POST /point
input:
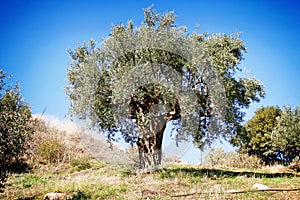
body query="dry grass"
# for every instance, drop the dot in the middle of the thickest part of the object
(176, 181)
(82, 177)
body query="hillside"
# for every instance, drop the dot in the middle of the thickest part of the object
(78, 175)
(92, 179)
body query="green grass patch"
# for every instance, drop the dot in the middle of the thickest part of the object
(80, 164)
(78, 195)
(95, 180)
(29, 180)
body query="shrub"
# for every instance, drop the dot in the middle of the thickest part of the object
(232, 159)
(238, 160)
(16, 129)
(50, 151)
(80, 164)
(215, 157)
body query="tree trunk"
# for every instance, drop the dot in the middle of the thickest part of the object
(150, 146)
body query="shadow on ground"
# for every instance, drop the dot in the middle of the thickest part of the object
(214, 173)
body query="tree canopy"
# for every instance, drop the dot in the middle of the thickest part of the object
(286, 135)
(255, 137)
(140, 78)
(272, 134)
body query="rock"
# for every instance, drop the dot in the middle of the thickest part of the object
(260, 186)
(232, 191)
(55, 196)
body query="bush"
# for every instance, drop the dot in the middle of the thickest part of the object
(232, 159)
(16, 128)
(238, 160)
(216, 157)
(80, 164)
(50, 151)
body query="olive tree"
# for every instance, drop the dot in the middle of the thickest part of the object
(141, 78)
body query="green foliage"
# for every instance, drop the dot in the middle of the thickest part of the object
(51, 151)
(271, 134)
(80, 164)
(15, 128)
(78, 195)
(255, 137)
(192, 81)
(286, 135)
(31, 180)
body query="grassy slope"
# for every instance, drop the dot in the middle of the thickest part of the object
(86, 178)
(95, 180)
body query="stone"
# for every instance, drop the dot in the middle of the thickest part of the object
(260, 186)
(55, 196)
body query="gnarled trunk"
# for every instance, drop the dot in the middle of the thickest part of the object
(150, 145)
(148, 108)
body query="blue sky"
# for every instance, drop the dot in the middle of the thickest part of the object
(35, 36)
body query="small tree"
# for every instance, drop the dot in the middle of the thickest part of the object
(286, 135)
(271, 134)
(15, 127)
(143, 77)
(255, 138)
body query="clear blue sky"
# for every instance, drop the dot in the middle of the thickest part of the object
(35, 36)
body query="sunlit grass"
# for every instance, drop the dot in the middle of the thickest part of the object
(105, 181)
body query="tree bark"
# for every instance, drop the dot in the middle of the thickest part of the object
(150, 146)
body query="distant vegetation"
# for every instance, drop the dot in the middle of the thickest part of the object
(272, 134)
